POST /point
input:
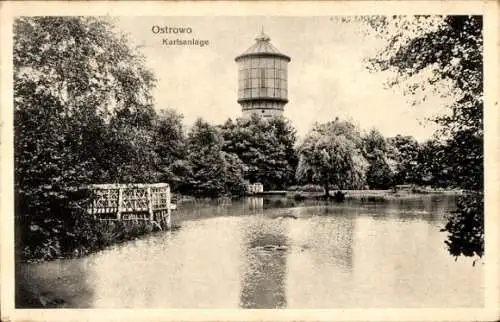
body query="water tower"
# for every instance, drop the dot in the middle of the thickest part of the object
(262, 79)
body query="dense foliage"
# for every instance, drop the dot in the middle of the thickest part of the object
(266, 147)
(82, 105)
(208, 170)
(431, 164)
(331, 155)
(375, 150)
(404, 150)
(450, 49)
(83, 113)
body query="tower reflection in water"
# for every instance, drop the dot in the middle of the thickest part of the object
(263, 275)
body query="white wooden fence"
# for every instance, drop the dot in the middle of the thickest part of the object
(131, 202)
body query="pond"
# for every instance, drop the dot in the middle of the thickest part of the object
(274, 253)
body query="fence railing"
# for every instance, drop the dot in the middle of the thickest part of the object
(131, 202)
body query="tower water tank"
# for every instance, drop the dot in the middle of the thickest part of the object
(262, 79)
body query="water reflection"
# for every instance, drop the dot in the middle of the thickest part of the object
(411, 267)
(254, 203)
(321, 262)
(251, 254)
(46, 285)
(264, 264)
(278, 202)
(429, 208)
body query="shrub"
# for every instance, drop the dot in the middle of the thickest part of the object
(311, 188)
(416, 189)
(373, 198)
(465, 226)
(339, 196)
(298, 197)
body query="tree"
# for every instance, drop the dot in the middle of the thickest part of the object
(134, 159)
(210, 172)
(449, 48)
(170, 138)
(404, 151)
(82, 103)
(331, 155)
(432, 164)
(266, 147)
(375, 149)
(170, 146)
(286, 136)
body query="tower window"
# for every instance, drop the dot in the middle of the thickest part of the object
(247, 83)
(262, 78)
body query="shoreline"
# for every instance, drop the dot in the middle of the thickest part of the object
(374, 195)
(371, 196)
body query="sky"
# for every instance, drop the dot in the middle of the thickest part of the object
(327, 75)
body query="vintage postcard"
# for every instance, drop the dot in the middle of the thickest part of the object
(250, 161)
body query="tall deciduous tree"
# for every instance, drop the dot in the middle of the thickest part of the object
(73, 76)
(266, 146)
(331, 155)
(375, 150)
(209, 171)
(79, 88)
(404, 150)
(170, 146)
(450, 49)
(432, 164)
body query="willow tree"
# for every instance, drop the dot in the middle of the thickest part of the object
(331, 155)
(445, 54)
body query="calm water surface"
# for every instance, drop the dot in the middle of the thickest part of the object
(250, 254)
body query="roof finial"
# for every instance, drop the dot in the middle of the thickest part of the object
(262, 36)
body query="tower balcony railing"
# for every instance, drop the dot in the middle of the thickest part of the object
(263, 97)
(281, 108)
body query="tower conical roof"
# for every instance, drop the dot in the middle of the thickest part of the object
(262, 47)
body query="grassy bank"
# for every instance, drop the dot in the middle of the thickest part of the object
(75, 234)
(373, 195)
(37, 244)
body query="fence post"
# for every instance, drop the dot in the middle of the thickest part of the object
(150, 203)
(120, 203)
(169, 211)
